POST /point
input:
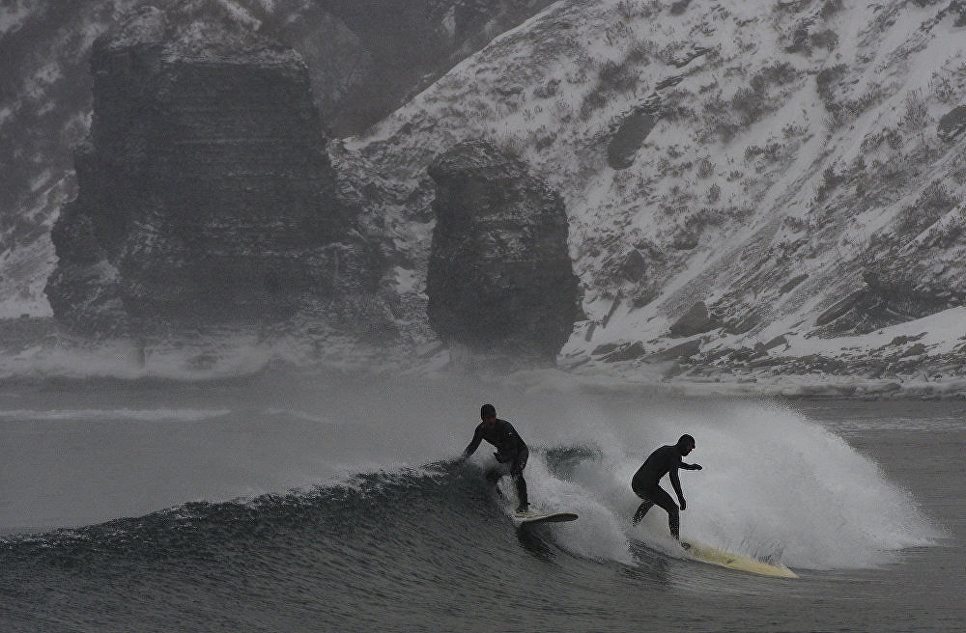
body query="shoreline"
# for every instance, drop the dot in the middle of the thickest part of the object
(34, 350)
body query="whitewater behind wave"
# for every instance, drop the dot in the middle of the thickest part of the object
(775, 485)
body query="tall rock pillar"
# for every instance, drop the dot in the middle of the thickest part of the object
(500, 279)
(206, 197)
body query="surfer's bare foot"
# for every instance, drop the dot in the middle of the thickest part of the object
(685, 545)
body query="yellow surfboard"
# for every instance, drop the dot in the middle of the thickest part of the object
(714, 556)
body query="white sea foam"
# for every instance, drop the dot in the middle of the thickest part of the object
(304, 416)
(228, 357)
(774, 486)
(139, 415)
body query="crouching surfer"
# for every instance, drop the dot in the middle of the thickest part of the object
(511, 451)
(646, 482)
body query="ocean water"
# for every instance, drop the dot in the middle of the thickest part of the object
(290, 502)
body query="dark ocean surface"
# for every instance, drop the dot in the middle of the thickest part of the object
(291, 503)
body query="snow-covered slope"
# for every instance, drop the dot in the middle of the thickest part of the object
(793, 155)
(753, 188)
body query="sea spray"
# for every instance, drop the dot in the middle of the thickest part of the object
(775, 485)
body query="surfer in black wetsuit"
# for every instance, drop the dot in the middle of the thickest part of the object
(511, 451)
(664, 461)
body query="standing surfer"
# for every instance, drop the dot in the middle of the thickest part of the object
(646, 482)
(511, 451)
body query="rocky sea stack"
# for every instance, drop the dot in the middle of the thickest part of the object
(500, 279)
(206, 197)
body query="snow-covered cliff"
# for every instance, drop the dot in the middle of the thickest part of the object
(753, 189)
(775, 174)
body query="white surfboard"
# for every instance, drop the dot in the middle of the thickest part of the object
(532, 518)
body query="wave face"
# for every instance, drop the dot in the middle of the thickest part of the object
(400, 536)
(319, 551)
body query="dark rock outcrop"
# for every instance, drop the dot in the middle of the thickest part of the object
(403, 46)
(500, 279)
(681, 350)
(697, 320)
(791, 284)
(625, 352)
(206, 197)
(952, 123)
(365, 59)
(743, 322)
(915, 270)
(630, 134)
(893, 294)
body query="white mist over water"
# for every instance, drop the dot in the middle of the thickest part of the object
(210, 359)
(774, 483)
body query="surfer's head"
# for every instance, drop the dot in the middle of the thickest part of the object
(685, 444)
(487, 412)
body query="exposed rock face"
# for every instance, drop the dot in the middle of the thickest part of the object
(500, 278)
(902, 289)
(952, 123)
(402, 45)
(205, 197)
(913, 269)
(696, 320)
(633, 130)
(364, 58)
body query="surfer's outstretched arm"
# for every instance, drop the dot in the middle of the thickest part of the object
(690, 466)
(474, 443)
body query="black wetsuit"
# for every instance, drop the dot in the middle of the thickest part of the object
(511, 451)
(646, 484)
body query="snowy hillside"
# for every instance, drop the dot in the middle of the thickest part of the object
(754, 190)
(757, 167)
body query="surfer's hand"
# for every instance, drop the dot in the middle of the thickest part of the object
(696, 467)
(684, 504)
